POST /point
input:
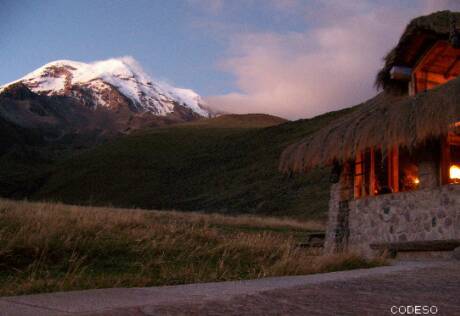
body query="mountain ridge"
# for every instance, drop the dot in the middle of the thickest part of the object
(100, 79)
(94, 101)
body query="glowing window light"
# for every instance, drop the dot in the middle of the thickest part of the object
(454, 173)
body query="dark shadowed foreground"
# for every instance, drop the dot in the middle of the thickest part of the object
(359, 292)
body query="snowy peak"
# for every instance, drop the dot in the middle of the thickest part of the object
(110, 83)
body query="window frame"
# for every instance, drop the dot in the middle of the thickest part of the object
(365, 177)
(446, 158)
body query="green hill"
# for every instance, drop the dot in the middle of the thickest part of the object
(237, 121)
(207, 166)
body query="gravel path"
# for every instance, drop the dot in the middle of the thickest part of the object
(358, 292)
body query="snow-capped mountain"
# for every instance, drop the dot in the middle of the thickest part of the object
(65, 101)
(109, 84)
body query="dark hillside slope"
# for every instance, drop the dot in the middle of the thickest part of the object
(230, 170)
(237, 121)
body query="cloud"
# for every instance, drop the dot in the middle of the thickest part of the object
(213, 7)
(436, 5)
(326, 67)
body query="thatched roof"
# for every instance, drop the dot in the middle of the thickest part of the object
(419, 36)
(384, 120)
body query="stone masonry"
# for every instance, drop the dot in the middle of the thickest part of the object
(426, 214)
(429, 213)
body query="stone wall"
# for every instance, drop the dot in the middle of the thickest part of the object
(338, 215)
(425, 214)
(329, 243)
(429, 213)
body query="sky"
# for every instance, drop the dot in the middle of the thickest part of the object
(291, 58)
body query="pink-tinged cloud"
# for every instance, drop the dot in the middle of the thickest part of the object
(326, 68)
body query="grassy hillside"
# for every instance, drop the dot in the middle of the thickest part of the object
(54, 247)
(237, 121)
(229, 169)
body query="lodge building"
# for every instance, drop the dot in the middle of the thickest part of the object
(396, 157)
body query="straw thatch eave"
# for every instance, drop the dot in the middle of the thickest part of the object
(420, 34)
(384, 120)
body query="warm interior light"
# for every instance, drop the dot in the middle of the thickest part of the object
(454, 173)
(410, 179)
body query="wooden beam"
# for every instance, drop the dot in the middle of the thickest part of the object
(422, 245)
(439, 50)
(437, 77)
(423, 78)
(425, 82)
(451, 66)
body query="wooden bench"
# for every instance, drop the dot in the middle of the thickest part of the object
(416, 246)
(315, 240)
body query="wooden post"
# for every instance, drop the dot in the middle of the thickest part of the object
(413, 84)
(358, 176)
(372, 173)
(393, 168)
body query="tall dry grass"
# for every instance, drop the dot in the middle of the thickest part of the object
(53, 247)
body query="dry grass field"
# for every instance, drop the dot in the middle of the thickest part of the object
(48, 247)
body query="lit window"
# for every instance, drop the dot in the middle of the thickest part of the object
(454, 173)
(408, 171)
(451, 158)
(378, 172)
